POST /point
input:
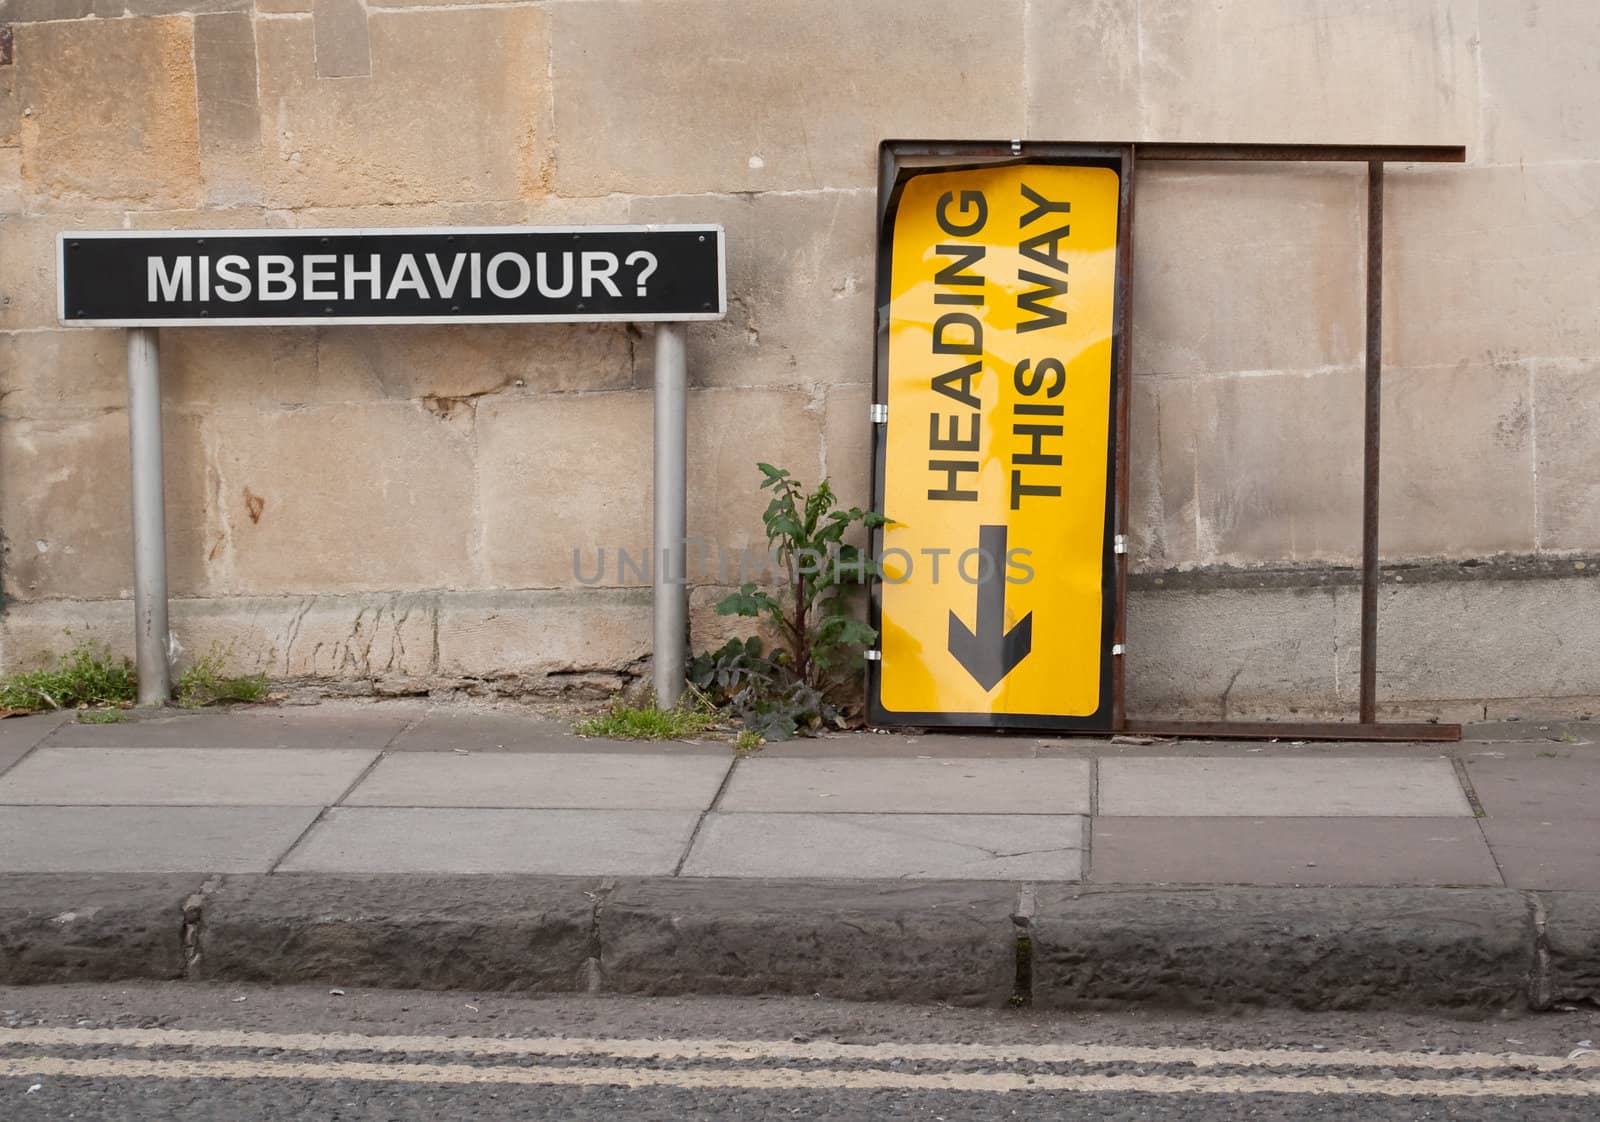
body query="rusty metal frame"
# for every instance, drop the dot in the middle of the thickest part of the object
(1367, 726)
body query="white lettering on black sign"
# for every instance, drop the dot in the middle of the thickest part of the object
(589, 273)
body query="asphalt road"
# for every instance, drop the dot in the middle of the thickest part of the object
(237, 1053)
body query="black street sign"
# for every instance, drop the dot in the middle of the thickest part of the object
(128, 278)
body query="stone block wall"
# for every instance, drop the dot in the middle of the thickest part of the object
(398, 508)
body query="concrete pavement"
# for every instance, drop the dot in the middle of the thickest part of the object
(417, 818)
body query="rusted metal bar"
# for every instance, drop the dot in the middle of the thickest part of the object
(1124, 397)
(1295, 730)
(1370, 430)
(1335, 153)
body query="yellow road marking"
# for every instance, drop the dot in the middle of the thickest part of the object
(788, 1079)
(782, 1050)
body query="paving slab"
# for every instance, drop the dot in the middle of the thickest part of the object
(915, 846)
(1540, 787)
(1291, 851)
(183, 776)
(1554, 853)
(18, 735)
(545, 842)
(600, 781)
(909, 786)
(277, 728)
(1261, 786)
(148, 839)
(1559, 731)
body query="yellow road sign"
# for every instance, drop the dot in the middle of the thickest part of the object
(996, 597)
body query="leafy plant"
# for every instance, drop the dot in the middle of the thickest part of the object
(646, 722)
(207, 683)
(758, 690)
(85, 675)
(803, 683)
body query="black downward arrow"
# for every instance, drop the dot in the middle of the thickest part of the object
(990, 653)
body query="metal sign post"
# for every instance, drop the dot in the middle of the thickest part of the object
(151, 640)
(143, 280)
(668, 570)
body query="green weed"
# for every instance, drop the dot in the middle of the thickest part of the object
(85, 675)
(646, 722)
(100, 716)
(207, 683)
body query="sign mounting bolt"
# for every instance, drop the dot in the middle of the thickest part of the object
(1118, 648)
(1119, 544)
(872, 656)
(879, 413)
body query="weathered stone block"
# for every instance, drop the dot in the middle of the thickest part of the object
(1457, 478)
(62, 373)
(340, 498)
(583, 485)
(545, 211)
(1247, 267)
(1538, 82)
(1161, 463)
(1567, 411)
(865, 942)
(1278, 465)
(599, 447)
(733, 96)
(1084, 72)
(170, 7)
(230, 116)
(1231, 653)
(449, 368)
(561, 632)
(31, 11)
(1491, 264)
(847, 444)
(206, 367)
(428, 3)
(343, 47)
(68, 532)
(1479, 639)
(10, 180)
(10, 110)
(112, 112)
(1402, 72)
(400, 135)
(800, 287)
(372, 636)
(232, 217)
(33, 633)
